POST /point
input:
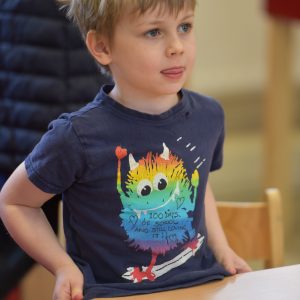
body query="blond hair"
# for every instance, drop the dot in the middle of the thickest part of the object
(102, 15)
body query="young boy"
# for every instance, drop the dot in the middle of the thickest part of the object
(132, 165)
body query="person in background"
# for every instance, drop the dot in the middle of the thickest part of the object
(45, 70)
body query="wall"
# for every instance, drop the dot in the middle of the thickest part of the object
(231, 40)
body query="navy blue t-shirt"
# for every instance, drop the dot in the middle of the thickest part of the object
(133, 187)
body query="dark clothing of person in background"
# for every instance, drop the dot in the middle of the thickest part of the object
(45, 70)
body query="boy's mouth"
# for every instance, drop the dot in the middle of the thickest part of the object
(174, 72)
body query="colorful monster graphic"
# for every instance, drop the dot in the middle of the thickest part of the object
(158, 207)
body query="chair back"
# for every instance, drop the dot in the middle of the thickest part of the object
(255, 229)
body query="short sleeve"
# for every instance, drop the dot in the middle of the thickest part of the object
(217, 159)
(57, 160)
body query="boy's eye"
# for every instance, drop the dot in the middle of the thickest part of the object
(153, 33)
(186, 27)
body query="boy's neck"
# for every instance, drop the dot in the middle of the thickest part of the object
(150, 104)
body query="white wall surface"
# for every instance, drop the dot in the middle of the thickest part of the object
(232, 46)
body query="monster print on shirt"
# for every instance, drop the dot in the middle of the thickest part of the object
(157, 212)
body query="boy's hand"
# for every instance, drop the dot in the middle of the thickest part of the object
(69, 284)
(231, 261)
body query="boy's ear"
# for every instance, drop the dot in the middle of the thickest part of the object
(98, 47)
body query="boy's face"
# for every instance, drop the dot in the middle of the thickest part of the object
(152, 54)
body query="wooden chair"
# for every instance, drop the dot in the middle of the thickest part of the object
(255, 229)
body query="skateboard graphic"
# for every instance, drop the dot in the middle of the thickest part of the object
(167, 266)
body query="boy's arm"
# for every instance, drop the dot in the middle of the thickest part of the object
(20, 210)
(217, 240)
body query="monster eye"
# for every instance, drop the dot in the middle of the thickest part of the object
(160, 181)
(144, 187)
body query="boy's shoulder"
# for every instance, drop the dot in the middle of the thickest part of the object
(203, 102)
(88, 114)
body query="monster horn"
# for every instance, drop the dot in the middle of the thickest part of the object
(166, 153)
(132, 163)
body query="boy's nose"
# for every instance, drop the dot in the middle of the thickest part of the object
(175, 47)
